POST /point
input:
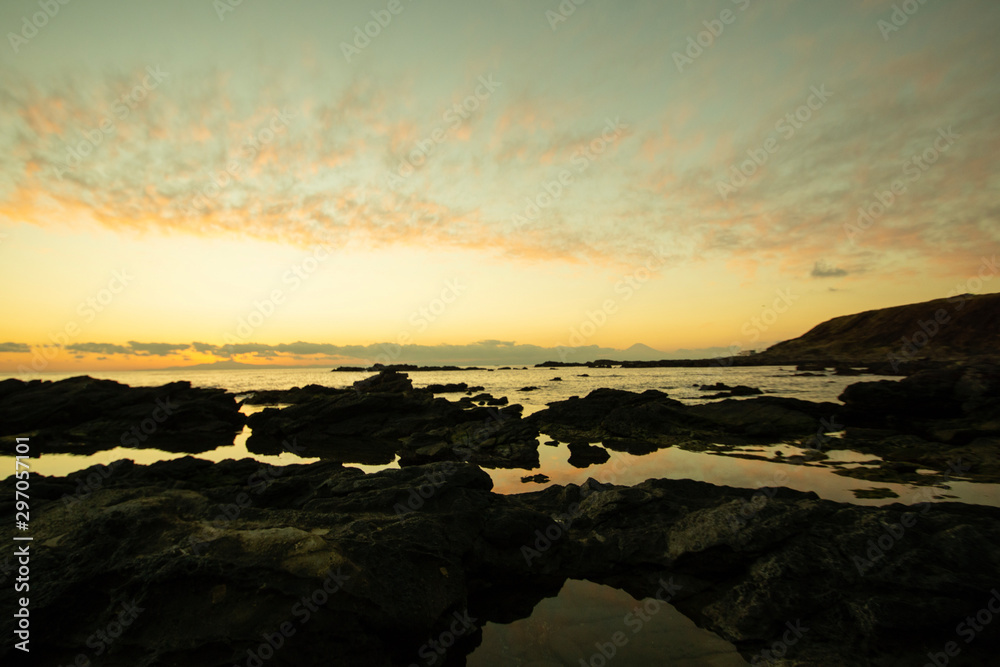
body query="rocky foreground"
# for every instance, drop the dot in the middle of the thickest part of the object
(238, 563)
(191, 563)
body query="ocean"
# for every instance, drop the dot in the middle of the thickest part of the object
(679, 383)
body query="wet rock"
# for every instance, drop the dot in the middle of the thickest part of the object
(530, 388)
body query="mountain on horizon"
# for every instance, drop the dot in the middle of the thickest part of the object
(641, 352)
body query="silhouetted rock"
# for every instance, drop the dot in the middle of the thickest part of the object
(293, 395)
(725, 391)
(82, 415)
(583, 455)
(450, 388)
(386, 381)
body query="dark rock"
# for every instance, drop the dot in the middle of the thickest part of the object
(372, 427)
(729, 392)
(293, 395)
(812, 368)
(386, 381)
(556, 379)
(451, 388)
(538, 479)
(82, 415)
(880, 492)
(583, 455)
(528, 389)
(403, 550)
(660, 421)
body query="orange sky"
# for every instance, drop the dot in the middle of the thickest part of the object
(482, 181)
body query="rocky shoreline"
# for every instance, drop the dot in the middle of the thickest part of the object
(345, 568)
(217, 563)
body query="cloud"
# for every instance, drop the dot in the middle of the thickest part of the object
(822, 269)
(99, 348)
(14, 347)
(486, 352)
(156, 349)
(309, 153)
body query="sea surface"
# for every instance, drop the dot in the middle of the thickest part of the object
(679, 383)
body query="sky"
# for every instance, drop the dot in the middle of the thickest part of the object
(312, 182)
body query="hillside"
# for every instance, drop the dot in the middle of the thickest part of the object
(959, 327)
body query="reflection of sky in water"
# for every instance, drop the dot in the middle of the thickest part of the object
(626, 469)
(676, 463)
(588, 619)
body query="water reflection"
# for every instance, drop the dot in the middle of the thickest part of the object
(591, 624)
(676, 463)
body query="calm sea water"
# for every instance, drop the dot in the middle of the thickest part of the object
(680, 383)
(677, 382)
